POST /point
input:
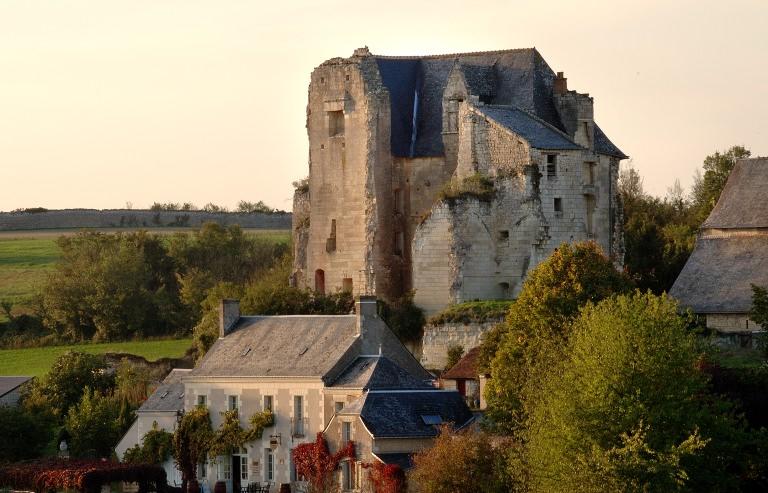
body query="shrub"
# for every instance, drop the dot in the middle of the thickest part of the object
(472, 312)
(454, 355)
(404, 318)
(24, 436)
(476, 186)
(155, 448)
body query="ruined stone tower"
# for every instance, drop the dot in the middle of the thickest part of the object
(450, 175)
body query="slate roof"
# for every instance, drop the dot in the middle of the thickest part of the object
(405, 461)
(603, 145)
(398, 413)
(169, 396)
(280, 346)
(719, 272)
(377, 373)
(744, 200)
(518, 77)
(538, 133)
(465, 368)
(8, 384)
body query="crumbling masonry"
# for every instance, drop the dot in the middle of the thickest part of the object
(449, 175)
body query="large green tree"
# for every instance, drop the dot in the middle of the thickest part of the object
(628, 410)
(24, 436)
(94, 424)
(191, 442)
(708, 187)
(537, 326)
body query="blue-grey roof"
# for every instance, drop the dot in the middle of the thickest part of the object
(169, 396)
(603, 145)
(404, 461)
(518, 77)
(400, 413)
(377, 373)
(538, 133)
(743, 202)
(7, 384)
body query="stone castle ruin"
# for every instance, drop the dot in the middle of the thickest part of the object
(449, 175)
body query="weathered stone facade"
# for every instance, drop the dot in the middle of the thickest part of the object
(439, 337)
(388, 133)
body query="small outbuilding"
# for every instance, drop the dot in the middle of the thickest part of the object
(10, 389)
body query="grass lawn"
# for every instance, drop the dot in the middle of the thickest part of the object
(37, 361)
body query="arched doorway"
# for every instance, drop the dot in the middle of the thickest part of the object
(320, 281)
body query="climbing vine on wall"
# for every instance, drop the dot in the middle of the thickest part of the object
(386, 478)
(316, 463)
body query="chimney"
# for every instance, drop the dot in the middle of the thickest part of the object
(561, 84)
(229, 314)
(366, 309)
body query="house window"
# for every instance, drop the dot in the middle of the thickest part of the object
(225, 470)
(558, 206)
(335, 123)
(298, 415)
(346, 476)
(269, 465)
(338, 406)
(346, 432)
(268, 403)
(202, 469)
(551, 166)
(244, 467)
(202, 400)
(232, 403)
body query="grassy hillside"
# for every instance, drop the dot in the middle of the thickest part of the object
(37, 361)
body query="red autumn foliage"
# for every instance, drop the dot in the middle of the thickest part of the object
(386, 478)
(82, 475)
(315, 462)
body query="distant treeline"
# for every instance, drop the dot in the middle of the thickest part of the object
(250, 215)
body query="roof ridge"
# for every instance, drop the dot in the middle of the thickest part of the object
(453, 55)
(529, 114)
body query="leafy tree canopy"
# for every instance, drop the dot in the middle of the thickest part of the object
(24, 435)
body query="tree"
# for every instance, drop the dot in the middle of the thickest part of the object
(69, 376)
(156, 446)
(759, 311)
(628, 410)
(94, 425)
(455, 353)
(191, 443)
(537, 326)
(707, 188)
(24, 435)
(458, 462)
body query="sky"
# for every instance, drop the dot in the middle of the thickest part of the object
(106, 103)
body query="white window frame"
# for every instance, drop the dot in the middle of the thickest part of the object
(271, 400)
(346, 429)
(269, 465)
(237, 402)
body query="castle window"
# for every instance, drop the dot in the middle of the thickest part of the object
(590, 204)
(551, 166)
(322, 80)
(399, 243)
(504, 290)
(335, 123)
(558, 206)
(589, 171)
(397, 198)
(347, 77)
(346, 284)
(503, 235)
(330, 242)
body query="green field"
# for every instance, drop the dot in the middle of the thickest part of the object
(26, 257)
(37, 361)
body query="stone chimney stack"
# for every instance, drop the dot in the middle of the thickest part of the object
(561, 84)
(366, 310)
(576, 112)
(229, 314)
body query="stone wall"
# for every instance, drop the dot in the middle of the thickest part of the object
(438, 338)
(300, 232)
(731, 323)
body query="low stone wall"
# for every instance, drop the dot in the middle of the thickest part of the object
(438, 338)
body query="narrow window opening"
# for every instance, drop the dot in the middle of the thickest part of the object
(551, 166)
(269, 465)
(558, 206)
(399, 243)
(397, 206)
(590, 169)
(503, 235)
(347, 77)
(298, 416)
(322, 80)
(504, 290)
(335, 123)
(590, 204)
(267, 403)
(330, 242)
(346, 432)
(233, 403)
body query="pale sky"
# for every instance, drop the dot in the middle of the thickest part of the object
(106, 102)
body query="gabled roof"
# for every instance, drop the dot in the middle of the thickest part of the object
(406, 413)
(603, 145)
(465, 368)
(280, 346)
(520, 78)
(538, 133)
(8, 384)
(169, 396)
(744, 200)
(377, 373)
(718, 275)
